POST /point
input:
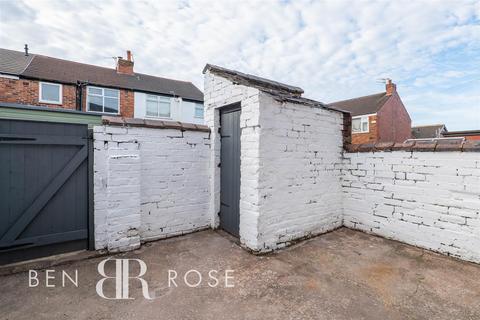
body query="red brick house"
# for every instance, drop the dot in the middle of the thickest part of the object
(38, 80)
(380, 117)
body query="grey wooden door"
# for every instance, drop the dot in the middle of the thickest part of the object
(44, 189)
(230, 170)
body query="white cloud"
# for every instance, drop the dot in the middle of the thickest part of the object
(333, 49)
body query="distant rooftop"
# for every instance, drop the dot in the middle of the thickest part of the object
(428, 131)
(362, 105)
(35, 66)
(14, 62)
(463, 133)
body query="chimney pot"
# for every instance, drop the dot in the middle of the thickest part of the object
(26, 49)
(129, 55)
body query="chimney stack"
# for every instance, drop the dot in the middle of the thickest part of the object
(390, 87)
(125, 66)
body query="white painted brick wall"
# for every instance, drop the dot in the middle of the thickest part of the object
(219, 92)
(149, 184)
(299, 186)
(154, 183)
(285, 193)
(428, 199)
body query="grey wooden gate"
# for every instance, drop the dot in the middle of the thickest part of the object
(44, 188)
(230, 169)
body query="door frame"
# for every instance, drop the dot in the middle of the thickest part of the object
(236, 106)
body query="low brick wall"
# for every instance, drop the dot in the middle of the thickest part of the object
(151, 181)
(416, 195)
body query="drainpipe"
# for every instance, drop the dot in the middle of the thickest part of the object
(79, 95)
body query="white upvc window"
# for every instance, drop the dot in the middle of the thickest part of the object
(199, 110)
(103, 100)
(360, 124)
(50, 93)
(158, 106)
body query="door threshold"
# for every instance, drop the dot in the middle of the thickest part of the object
(228, 236)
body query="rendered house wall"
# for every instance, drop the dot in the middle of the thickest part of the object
(180, 110)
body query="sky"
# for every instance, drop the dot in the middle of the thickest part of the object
(334, 50)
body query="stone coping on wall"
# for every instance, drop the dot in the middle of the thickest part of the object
(154, 124)
(431, 146)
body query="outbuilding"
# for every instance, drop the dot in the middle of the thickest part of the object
(276, 159)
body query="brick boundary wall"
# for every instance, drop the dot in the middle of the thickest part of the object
(151, 181)
(422, 146)
(420, 192)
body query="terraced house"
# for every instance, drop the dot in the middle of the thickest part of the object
(38, 80)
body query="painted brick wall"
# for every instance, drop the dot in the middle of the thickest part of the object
(25, 91)
(219, 92)
(428, 199)
(289, 185)
(149, 184)
(368, 137)
(299, 185)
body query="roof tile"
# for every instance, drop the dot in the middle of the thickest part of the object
(362, 105)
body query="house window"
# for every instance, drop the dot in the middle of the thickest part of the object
(360, 124)
(198, 110)
(103, 100)
(50, 93)
(158, 106)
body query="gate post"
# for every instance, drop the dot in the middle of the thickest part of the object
(91, 221)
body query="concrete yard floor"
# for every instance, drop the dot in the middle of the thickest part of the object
(344, 274)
